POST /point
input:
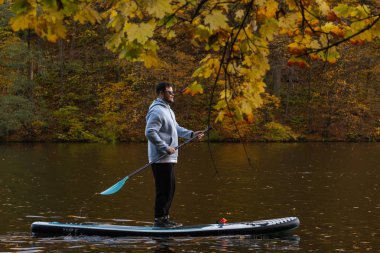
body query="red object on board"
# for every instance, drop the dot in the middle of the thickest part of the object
(222, 221)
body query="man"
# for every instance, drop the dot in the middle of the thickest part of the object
(162, 132)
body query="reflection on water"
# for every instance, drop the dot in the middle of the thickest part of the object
(141, 244)
(333, 188)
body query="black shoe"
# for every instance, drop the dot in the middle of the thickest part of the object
(165, 222)
(173, 223)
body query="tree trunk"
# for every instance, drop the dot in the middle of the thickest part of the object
(309, 103)
(276, 80)
(61, 60)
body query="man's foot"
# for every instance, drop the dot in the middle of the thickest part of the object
(165, 222)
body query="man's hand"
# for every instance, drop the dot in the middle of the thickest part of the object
(170, 150)
(199, 134)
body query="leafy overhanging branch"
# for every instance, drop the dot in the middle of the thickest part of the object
(368, 27)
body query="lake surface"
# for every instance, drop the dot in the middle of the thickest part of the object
(332, 187)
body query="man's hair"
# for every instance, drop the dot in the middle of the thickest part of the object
(162, 87)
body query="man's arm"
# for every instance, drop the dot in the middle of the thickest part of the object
(183, 132)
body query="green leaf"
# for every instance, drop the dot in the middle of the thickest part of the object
(20, 6)
(202, 33)
(343, 10)
(168, 21)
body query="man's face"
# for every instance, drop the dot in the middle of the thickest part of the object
(168, 95)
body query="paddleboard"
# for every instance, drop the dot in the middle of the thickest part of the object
(260, 227)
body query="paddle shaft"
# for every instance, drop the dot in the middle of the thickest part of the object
(164, 155)
(116, 187)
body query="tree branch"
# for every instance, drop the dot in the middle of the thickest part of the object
(345, 39)
(196, 12)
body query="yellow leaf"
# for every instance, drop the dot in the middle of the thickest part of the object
(292, 5)
(296, 61)
(116, 23)
(289, 22)
(332, 55)
(343, 10)
(260, 2)
(171, 34)
(59, 30)
(94, 15)
(129, 9)
(193, 89)
(210, 67)
(216, 20)
(52, 37)
(239, 14)
(296, 48)
(272, 7)
(86, 14)
(315, 44)
(150, 60)
(113, 13)
(21, 22)
(259, 87)
(328, 27)
(220, 105)
(202, 33)
(231, 68)
(225, 6)
(207, 72)
(246, 107)
(114, 41)
(80, 18)
(247, 61)
(269, 8)
(220, 116)
(323, 7)
(140, 32)
(376, 30)
(269, 29)
(159, 8)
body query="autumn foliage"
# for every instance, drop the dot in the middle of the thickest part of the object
(231, 41)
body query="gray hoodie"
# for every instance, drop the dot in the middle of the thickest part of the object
(162, 131)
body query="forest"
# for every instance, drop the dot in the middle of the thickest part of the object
(75, 86)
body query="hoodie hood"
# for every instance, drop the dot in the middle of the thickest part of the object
(157, 102)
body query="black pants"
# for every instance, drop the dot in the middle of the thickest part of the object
(164, 178)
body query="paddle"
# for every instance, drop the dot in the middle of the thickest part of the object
(116, 187)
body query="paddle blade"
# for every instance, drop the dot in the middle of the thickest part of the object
(114, 188)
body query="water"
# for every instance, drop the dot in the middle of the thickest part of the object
(333, 188)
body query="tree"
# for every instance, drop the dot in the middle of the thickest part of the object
(236, 36)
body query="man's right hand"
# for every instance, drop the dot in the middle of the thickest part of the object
(170, 150)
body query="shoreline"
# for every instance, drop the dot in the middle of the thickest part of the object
(227, 141)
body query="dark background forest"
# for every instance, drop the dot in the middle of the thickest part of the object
(77, 90)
